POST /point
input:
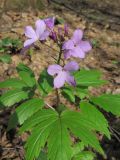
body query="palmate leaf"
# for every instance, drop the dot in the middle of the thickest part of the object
(24, 111)
(14, 96)
(48, 126)
(109, 102)
(13, 83)
(26, 75)
(95, 117)
(88, 78)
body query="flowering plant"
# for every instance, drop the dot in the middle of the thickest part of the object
(59, 131)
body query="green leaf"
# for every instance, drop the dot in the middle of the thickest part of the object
(6, 42)
(109, 102)
(85, 155)
(95, 43)
(68, 94)
(37, 141)
(13, 83)
(26, 75)
(81, 92)
(45, 120)
(14, 96)
(80, 128)
(78, 147)
(60, 21)
(13, 121)
(28, 108)
(42, 156)
(59, 144)
(42, 116)
(45, 83)
(71, 92)
(5, 58)
(24, 111)
(88, 78)
(48, 126)
(2, 49)
(52, 128)
(16, 42)
(61, 108)
(95, 117)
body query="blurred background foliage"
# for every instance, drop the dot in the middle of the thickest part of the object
(40, 4)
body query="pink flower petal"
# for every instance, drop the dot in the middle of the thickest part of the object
(40, 27)
(60, 79)
(77, 36)
(68, 45)
(78, 52)
(30, 33)
(44, 35)
(70, 80)
(50, 22)
(29, 42)
(85, 46)
(71, 66)
(67, 54)
(54, 69)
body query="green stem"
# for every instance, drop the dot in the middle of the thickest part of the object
(58, 98)
(58, 62)
(60, 54)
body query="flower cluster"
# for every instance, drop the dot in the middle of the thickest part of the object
(76, 47)
(70, 47)
(43, 29)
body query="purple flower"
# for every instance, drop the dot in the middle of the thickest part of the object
(50, 22)
(63, 74)
(76, 47)
(40, 33)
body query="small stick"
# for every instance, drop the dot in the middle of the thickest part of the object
(49, 106)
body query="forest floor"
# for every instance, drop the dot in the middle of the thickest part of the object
(104, 56)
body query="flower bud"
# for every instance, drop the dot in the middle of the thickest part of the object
(53, 36)
(66, 28)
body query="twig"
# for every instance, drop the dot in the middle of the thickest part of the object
(49, 106)
(11, 148)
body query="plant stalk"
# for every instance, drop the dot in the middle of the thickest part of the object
(60, 54)
(58, 62)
